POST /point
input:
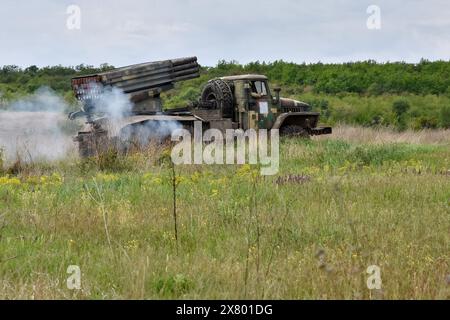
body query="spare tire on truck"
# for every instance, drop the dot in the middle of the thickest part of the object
(220, 93)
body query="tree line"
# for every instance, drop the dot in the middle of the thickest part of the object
(409, 95)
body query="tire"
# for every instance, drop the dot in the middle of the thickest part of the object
(91, 144)
(294, 130)
(86, 148)
(221, 93)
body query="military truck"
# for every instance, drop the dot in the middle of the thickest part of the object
(232, 102)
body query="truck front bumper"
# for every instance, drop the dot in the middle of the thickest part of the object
(320, 130)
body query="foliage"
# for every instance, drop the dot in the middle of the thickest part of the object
(400, 107)
(355, 93)
(445, 116)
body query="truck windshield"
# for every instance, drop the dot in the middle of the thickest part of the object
(259, 87)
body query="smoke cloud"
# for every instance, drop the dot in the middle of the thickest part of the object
(32, 128)
(116, 105)
(112, 101)
(156, 131)
(44, 99)
(36, 128)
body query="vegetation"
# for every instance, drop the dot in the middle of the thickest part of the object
(364, 93)
(16, 82)
(140, 228)
(338, 205)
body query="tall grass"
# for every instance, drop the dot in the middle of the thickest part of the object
(388, 135)
(336, 207)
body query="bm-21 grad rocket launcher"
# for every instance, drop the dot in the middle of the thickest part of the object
(232, 102)
(142, 85)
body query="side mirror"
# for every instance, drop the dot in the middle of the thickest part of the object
(277, 94)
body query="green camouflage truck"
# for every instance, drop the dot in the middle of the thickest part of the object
(232, 102)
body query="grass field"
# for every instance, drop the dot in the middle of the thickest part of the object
(339, 204)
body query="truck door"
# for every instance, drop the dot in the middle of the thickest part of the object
(260, 113)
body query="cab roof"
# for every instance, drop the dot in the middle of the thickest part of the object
(245, 77)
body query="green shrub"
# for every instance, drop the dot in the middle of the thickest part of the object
(400, 107)
(445, 116)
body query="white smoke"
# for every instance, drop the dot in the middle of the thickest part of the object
(116, 105)
(31, 128)
(156, 131)
(44, 99)
(2, 100)
(112, 101)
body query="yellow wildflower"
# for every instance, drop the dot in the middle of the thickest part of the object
(7, 181)
(157, 180)
(107, 177)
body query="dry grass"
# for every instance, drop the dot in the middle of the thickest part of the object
(388, 135)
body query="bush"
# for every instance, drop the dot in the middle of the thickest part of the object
(425, 122)
(400, 107)
(445, 116)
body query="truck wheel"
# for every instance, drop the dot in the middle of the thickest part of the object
(219, 92)
(86, 146)
(294, 130)
(91, 144)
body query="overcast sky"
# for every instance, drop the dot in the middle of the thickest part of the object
(127, 32)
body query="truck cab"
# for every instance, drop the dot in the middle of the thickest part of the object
(248, 103)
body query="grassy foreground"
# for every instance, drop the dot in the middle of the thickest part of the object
(337, 206)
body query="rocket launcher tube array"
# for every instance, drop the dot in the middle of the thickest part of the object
(158, 76)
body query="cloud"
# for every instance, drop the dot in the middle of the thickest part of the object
(132, 31)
